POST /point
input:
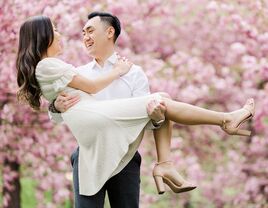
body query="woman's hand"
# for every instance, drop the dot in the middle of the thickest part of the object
(156, 110)
(122, 66)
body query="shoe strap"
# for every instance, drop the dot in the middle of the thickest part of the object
(248, 108)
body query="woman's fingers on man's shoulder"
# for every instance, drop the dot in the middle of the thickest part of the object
(63, 94)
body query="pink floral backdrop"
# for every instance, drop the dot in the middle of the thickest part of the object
(208, 53)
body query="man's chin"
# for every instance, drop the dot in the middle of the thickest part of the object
(91, 52)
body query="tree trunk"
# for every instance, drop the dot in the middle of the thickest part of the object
(13, 195)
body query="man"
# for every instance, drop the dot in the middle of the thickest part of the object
(99, 35)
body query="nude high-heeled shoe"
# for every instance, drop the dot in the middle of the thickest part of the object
(168, 175)
(233, 127)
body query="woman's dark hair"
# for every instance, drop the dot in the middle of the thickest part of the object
(110, 19)
(36, 35)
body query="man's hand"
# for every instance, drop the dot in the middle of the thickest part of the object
(156, 110)
(64, 101)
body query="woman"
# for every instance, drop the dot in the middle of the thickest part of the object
(93, 122)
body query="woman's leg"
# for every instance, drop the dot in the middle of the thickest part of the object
(164, 170)
(192, 115)
(162, 138)
(184, 113)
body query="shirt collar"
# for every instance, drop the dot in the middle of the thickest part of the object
(112, 60)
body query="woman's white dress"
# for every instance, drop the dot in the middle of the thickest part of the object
(108, 132)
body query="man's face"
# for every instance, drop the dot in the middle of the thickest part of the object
(95, 36)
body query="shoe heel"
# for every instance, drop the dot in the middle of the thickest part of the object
(243, 132)
(159, 184)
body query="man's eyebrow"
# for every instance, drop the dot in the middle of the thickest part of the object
(87, 28)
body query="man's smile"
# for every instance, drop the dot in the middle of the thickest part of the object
(89, 44)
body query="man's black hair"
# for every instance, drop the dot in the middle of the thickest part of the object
(110, 20)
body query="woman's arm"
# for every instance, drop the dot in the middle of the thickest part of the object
(94, 86)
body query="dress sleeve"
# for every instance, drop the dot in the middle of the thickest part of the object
(55, 73)
(65, 78)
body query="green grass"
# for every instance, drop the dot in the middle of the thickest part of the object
(28, 192)
(28, 199)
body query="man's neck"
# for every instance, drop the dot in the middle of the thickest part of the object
(103, 57)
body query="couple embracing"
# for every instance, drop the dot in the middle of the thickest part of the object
(107, 105)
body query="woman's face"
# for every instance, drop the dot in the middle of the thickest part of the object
(55, 48)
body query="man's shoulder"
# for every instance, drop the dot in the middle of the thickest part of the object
(86, 66)
(136, 73)
(136, 69)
